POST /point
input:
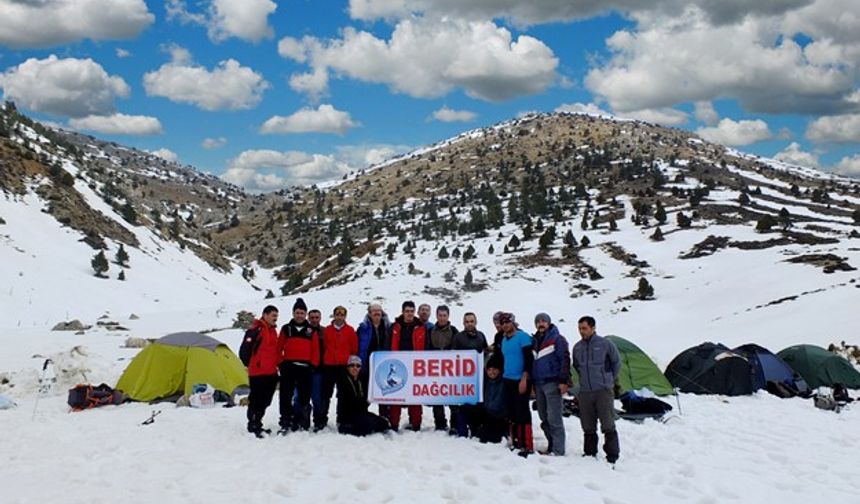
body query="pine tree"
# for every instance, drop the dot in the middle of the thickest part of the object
(683, 221)
(660, 213)
(613, 226)
(121, 257)
(585, 241)
(547, 238)
(121, 275)
(491, 250)
(269, 294)
(856, 216)
(584, 223)
(658, 235)
(784, 219)
(765, 223)
(128, 213)
(411, 269)
(100, 264)
(743, 199)
(514, 242)
(443, 253)
(644, 290)
(378, 272)
(569, 239)
(469, 253)
(456, 253)
(468, 279)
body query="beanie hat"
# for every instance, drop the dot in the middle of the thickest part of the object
(300, 305)
(353, 359)
(543, 316)
(497, 317)
(507, 317)
(496, 360)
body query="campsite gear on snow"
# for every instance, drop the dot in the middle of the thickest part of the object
(711, 368)
(636, 404)
(202, 396)
(151, 418)
(819, 367)
(87, 396)
(46, 381)
(171, 366)
(840, 394)
(772, 373)
(826, 402)
(6, 403)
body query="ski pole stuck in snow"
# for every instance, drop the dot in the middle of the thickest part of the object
(46, 381)
(151, 418)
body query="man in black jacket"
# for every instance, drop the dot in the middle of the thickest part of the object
(352, 415)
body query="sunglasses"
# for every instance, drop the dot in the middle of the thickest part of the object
(354, 365)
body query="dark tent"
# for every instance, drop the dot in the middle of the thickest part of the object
(772, 373)
(819, 367)
(711, 369)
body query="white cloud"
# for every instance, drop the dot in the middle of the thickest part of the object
(44, 23)
(166, 154)
(213, 143)
(323, 119)
(429, 58)
(69, 87)
(245, 19)
(543, 11)
(793, 154)
(582, 108)
(835, 129)
(849, 166)
(704, 111)
(445, 114)
(229, 86)
(122, 53)
(363, 156)
(733, 133)
(119, 124)
(270, 170)
(664, 116)
(675, 59)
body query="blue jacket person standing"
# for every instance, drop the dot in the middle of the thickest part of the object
(551, 374)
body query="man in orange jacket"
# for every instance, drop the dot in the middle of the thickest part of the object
(259, 352)
(407, 333)
(339, 342)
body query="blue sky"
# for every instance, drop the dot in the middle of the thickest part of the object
(776, 78)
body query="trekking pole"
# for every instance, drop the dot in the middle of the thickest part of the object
(678, 400)
(151, 418)
(44, 386)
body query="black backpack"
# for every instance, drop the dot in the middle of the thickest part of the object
(87, 396)
(250, 343)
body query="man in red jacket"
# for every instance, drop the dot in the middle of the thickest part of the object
(339, 342)
(405, 334)
(260, 353)
(300, 352)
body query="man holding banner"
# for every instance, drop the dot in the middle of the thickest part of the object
(407, 333)
(420, 377)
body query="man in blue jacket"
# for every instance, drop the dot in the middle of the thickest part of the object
(371, 338)
(597, 361)
(550, 374)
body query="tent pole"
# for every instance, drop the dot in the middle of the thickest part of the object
(678, 400)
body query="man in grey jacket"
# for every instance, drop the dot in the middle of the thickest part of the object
(598, 363)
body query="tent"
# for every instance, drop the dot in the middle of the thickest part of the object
(711, 368)
(638, 370)
(770, 372)
(171, 366)
(819, 367)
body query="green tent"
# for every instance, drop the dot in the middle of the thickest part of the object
(819, 367)
(173, 364)
(637, 369)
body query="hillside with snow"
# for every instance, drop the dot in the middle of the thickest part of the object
(560, 213)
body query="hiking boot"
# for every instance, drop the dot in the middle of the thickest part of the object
(414, 428)
(524, 453)
(283, 431)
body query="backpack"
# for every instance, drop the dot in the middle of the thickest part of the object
(250, 343)
(87, 396)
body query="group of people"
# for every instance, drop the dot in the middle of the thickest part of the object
(307, 362)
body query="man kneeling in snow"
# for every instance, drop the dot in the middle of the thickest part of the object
(352, 415)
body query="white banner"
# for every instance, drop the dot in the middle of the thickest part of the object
(447, 377)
